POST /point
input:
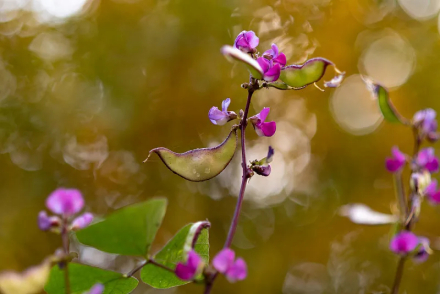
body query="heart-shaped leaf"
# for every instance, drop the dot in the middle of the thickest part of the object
(299, 76)
(82, 277)
(199, 164)
(191, 236)
(387, 108)
(129, 230)
(252, 65)
(364, 215)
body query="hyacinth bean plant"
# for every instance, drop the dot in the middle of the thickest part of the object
(131, 230)
(422, 163)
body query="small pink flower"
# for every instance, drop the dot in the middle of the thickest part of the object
(65, 202)
(423, 252)
(82, 221)
(276, 56)
(271, 70)
(46, 222)
(188, 270)
(220, 118)
(234, 270)
(404, 242)
(395, 163)
(261, 127)
(432, 193)
(246, 41)
(427, 160)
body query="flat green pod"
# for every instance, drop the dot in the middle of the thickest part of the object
(299, 76)
(251, 64)
(199, 164)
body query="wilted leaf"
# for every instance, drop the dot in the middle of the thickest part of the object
(82, 277)
(191, 236)
(199, 164)
(362, 214)
(129, 230)
(386, 107)
(252, 65)
(30, 281)
(299, 76)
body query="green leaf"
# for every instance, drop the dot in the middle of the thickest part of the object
(252, 65)
(191, 236)
(83, 277)
(129, 230)
(199, 164)
(386, 107)
(299, 76)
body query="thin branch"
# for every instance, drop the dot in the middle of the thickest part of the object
(65, 240)
(399, 275)
(149, 261)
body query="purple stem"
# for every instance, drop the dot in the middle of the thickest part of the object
(244, 179)
(65, 239)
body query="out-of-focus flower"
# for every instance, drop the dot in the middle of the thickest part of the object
(46, 222)
(65, 202)
(262, 167)
(96, 289)
(220, 118)
(271, 70)
(404, 242)
(31, 281)
(419, 181)
(246, 41)
(82, 221)
(427, 160)
(188, 270)
(423, 252)
(261, 127)
(396, 162)
(276, 56)
(425, 121)
(432, 193)
(225, 263)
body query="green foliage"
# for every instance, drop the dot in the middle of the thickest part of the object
(128, 231)
(173, 252)
(251, 64)
(299, 76)
(200, 164)
(83, 277)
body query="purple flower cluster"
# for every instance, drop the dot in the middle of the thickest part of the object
(224, 262)
(65, 203)
(407, 243)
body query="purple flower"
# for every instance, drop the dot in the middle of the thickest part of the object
(96, 289)
(246, 41)
(46, 222)
(271, 70)
(427, 160)
(220, 118)
(262, 167)
(404, 242)
(432, 193)
(234, 270)
(82, 221)
(423, 252)
(396, 162)
(187, 271)
(425, 121)
(65, 201)
(276, 56)
(261, 127)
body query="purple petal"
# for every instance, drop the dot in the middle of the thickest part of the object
(46, 222)
(397, 154)
(422, 254)
(223, 260)
(273, 73)
(251, 39)
(268, 128)
(262, 170)
(237, 271)
(432, 165)
(82, 221)
(404, 242)
(217, 117)
(264, 113)
(225, 104)
(96, 289)
(184, 272)
(431, 188)
(65, 201)
(280, 59)
(194, 260)
(270, 154)
(393, 165)
(264, 64)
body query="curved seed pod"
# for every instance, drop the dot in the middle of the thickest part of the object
(252, 65)
(388, 110)
(299, 76)
(199, 164)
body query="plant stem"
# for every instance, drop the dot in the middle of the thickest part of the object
(65, 239)
(399, 275)
(149, 261)
(253, 85)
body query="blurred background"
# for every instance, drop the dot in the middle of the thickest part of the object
(88, 87)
